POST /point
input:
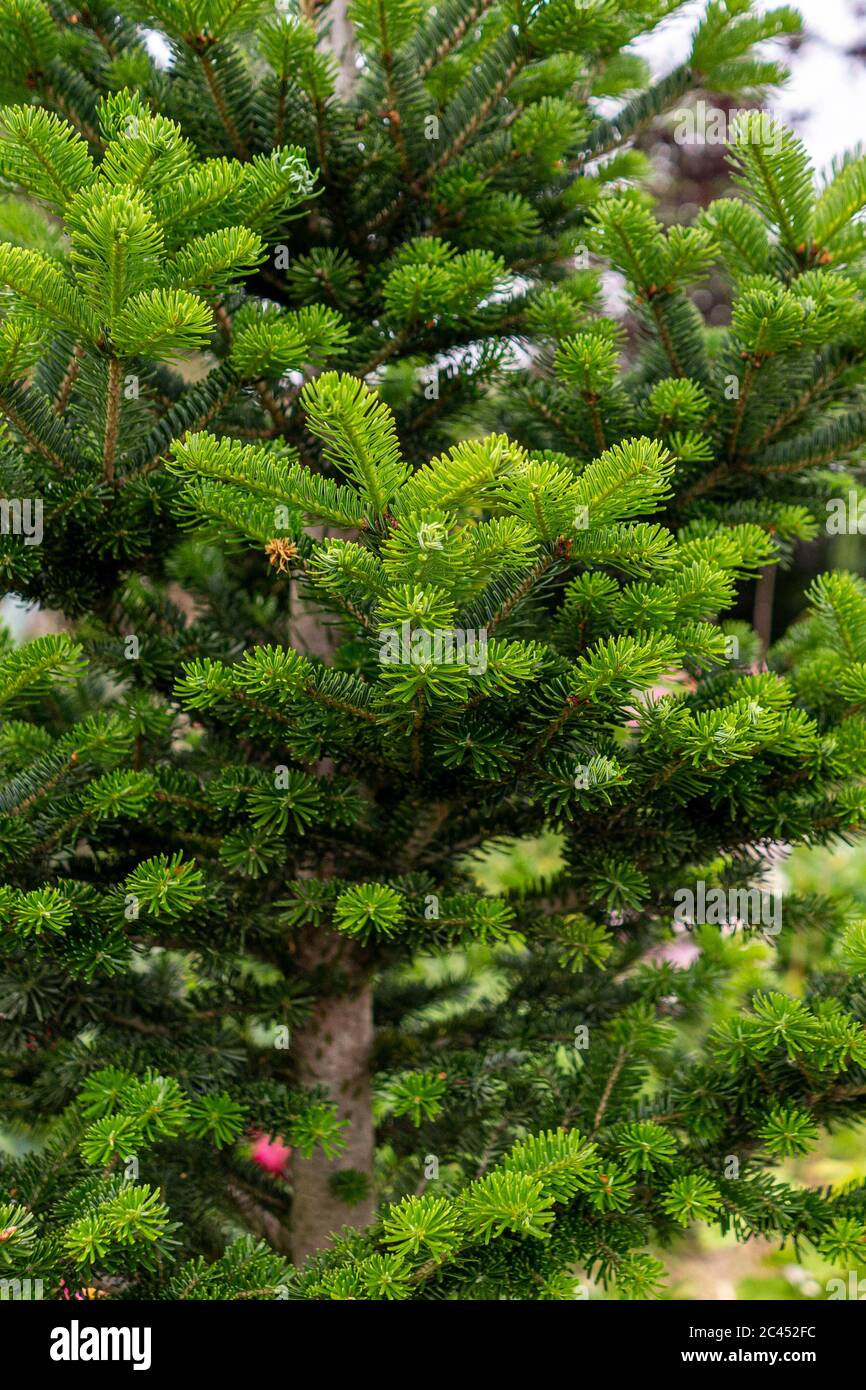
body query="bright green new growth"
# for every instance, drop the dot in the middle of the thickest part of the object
(751, 413)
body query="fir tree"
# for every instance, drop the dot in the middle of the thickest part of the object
(351, 596)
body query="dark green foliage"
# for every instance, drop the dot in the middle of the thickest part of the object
(755, 413)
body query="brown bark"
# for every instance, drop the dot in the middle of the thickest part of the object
(112, 418)
(341, 42)
(263, 1223)
(333, 1050)
(762, 619)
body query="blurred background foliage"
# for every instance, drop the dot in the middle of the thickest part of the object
(704, 1265)
(825, 102)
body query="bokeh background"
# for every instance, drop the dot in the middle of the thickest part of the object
(825, 103)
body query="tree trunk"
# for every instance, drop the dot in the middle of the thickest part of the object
(333, 1050)
(762, 619)
(341, 41)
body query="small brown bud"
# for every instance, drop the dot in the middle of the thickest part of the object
(281, 552)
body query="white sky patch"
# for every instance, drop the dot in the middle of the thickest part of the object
(825, 99)
(158, 48)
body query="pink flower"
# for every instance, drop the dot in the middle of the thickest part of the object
(271, 1154)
